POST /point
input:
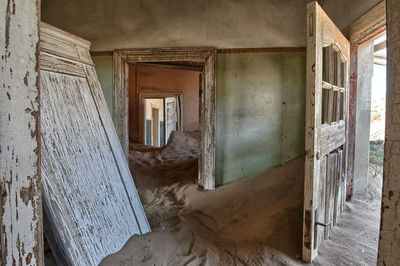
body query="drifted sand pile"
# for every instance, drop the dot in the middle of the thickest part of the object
(174, 163)
(253, 221)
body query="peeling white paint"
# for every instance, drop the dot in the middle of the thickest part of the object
(20, 208)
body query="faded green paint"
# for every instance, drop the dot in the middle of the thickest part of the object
(104, 66)
(260, 112)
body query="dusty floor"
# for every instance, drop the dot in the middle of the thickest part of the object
(253, 221)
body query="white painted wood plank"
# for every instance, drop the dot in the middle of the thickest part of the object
(20, 189)
(90, 197)
(117, 149)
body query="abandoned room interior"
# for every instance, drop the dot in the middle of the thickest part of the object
(200, 132)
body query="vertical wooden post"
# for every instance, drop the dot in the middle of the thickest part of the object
(389, 243)
(20, 185)
(352, 120)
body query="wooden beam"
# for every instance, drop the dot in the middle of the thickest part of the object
(380, 57)
(101, 53)
(379, 46)
(230, 50)
(197, 68)
(368, 26)
(352, 120)
(379, 64)
(261, 50)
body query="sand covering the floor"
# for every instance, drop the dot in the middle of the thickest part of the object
(253, 221)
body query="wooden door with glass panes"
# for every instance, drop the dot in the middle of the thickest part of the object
(326, 128)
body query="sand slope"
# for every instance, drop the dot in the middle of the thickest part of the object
(253, 221)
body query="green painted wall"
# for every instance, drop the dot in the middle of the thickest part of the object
(260, 110)
(104, 66)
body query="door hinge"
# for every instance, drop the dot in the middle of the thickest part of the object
(323, 224)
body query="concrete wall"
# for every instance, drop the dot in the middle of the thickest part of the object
(151, 79)
(389, 240)
(104, 66)
(260, 112)
(164, 23)
(266, 131)
(363, 118)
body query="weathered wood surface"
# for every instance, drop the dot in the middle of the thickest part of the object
(368, 25)
(321, 139)
(91, 201)
(20, 189)
(170, 115)
(338, 187)
(332, 137)
(320, 211)
(351, 131)
(204, 56)
(389, 243)
(330, 191)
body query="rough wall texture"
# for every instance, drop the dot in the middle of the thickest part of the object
(363, 117)
(104, 65)
(260, 112)
(20, 187)
(164, 23)
(389, 244)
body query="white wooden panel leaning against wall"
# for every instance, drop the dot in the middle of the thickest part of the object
(91, 206)
(20, 207)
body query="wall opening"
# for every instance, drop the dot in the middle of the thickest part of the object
(128, 67)
(377, 120)
(163, 124)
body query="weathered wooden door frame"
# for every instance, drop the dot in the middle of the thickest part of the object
(370, 25)
(205, 56)
(321, 32)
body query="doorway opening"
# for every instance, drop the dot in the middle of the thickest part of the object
(159, 116)
(200, 60)
(377, 121)
(163, 124)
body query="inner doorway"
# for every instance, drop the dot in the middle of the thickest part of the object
(160, 114)
(163, 124)
(202, 60)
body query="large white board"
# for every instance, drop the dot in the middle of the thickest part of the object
(90, 201)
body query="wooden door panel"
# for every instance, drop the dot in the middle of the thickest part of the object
(326, 126)
(90, 201)
(320, 211)
(330, 192)
(338, 187)
(332, 137)
(170, 116)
